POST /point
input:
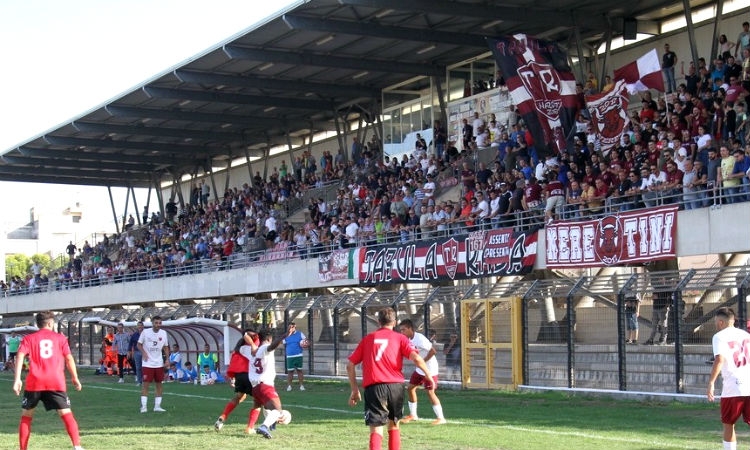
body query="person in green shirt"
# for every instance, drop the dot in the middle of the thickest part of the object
(208, 358)
(13, 342)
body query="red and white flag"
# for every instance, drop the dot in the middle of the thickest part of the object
(642, 74)
(609, 115)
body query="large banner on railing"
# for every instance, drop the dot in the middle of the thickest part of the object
(629, 237)
(477, 254)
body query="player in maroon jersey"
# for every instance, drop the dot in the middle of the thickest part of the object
(48, 354)
(381, 354)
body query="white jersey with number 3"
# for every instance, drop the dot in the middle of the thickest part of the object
(733, 345)
(423, 346)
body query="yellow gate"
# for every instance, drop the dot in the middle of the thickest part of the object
(491, 355)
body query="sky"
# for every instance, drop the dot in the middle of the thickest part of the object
(61, 59)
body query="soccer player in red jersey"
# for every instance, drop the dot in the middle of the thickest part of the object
(381, 354)
(49, 354)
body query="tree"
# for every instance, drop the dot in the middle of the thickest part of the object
(17, 265)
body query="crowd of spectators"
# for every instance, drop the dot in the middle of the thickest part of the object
(689, 148)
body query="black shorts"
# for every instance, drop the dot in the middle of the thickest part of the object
(383, 402)
(51, 399)
(242, 383)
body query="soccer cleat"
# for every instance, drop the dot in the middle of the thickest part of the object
(301, 388)
(121, 380)
(408, 418)
(78, 447)
(219, 424)
(289, 388)
(144, 409)
(249, 430)
(159, 409)
(439, 421)
(263, 430)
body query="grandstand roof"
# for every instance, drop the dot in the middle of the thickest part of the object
(291, 75)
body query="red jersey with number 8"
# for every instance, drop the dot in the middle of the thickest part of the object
(382, 355)
(46, 351)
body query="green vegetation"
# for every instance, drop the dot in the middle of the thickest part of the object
(108, 416)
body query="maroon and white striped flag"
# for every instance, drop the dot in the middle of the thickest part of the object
(543, 87)
(642, 74)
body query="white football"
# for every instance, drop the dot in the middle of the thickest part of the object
(305, 343)
(285, 418)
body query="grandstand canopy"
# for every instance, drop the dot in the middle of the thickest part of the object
(295, 74)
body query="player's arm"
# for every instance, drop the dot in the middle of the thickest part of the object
(430, 353)
(715, 371)
(276, 342)
(17, 383)
(351, 371)
(144, 353)
(70, 363)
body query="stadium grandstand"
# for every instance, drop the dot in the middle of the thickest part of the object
(349, 155)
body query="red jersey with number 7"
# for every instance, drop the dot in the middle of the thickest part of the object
(382, 355)
(46, 350)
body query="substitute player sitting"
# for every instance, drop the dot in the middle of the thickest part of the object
(427, 352)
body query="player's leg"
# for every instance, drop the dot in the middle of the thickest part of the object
(238, 398)
(30, 400)
(158, 389)
(147, 376)
(301, 376)
(414, 381)
(253, 415)
(379, 411)
(731, 410)
(268, 396)
(437, 408)
(396, 406)
(289, 376)
(71, 426)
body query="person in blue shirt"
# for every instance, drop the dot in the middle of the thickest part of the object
(134, 355)
(293, 345)
(189, 374)
(176, 357)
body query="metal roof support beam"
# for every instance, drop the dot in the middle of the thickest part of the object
(339, 137)
(237, 99)
(291, 149)
(253, 82)
(159, 196)
(249, 167)
(690, 30)
(437, 82)
(125, 211)
(70, 179)
(211, 177)
(114, 211)
(581, 57)
(177, 150)
(325, 60)
(229, 172)
(717, 22)
(158, 132)
(507, 13)
(135, 205)
(607, 52)
(42, 171)
(133, 166)
(374, 29)
(252, 122)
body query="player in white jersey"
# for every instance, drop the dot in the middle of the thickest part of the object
(262, 374)
(154, 345)
(427, 352)
(731, 348)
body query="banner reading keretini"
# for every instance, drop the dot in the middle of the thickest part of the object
(629, 237)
